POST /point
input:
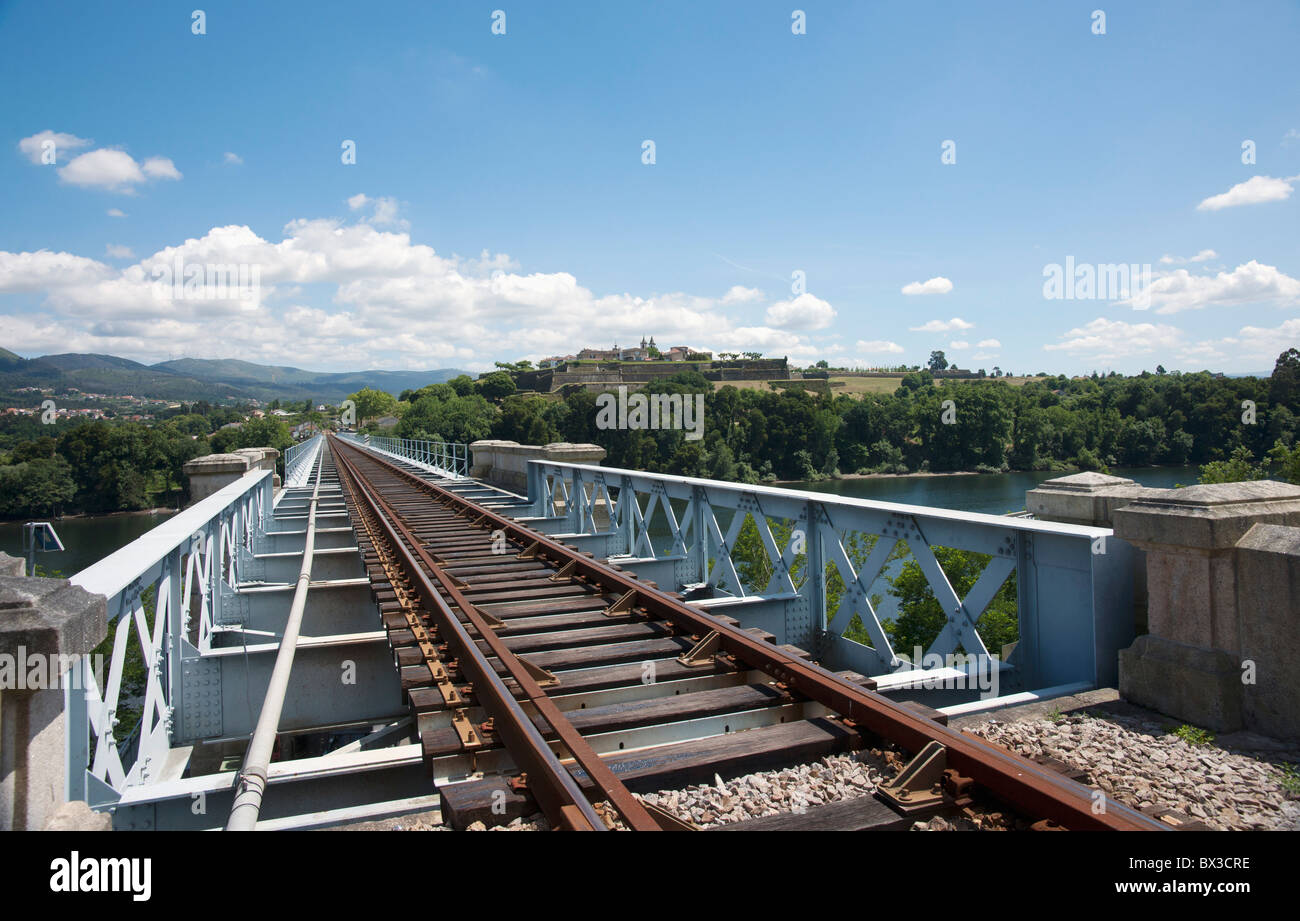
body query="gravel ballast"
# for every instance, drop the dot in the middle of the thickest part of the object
(1140, 762)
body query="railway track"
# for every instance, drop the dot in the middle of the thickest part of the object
(542, 679)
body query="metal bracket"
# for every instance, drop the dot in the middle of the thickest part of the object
(666, 820)
(702, 653)
(919, 785)
(624, 604)
(566, 571)
(538, 674)
(530, 552)
(464, 726)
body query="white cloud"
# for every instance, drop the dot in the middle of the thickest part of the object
(383, 211)
(1253, 191)
(115, 212)
(33, 148)
(988, 344)
(104, 168)
(115, 251)
(877, 346)
(115, 170)
(739, 294)
(384, 301)
(943, 326)
(804, 312)
(44, 269)
(1252, 346)
(233, 159)
(958, 345)
(937, 285)
(1253, 282)
(1253, 342)
(160, 168)
(1105, 339)
(1203, 256)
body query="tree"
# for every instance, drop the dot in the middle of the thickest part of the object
(938, 361)
(371, 403)
(1284, 383)
(921, 618)
(1240, 466)
(495, 386)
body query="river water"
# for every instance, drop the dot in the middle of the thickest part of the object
(993, 493)
(86, 540)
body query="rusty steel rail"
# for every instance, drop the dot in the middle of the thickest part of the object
(551, 783)
(1031, 788)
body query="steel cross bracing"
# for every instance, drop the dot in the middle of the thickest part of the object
(1073, 583)
(1015, 780)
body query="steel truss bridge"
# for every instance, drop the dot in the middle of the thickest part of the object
(416, 639)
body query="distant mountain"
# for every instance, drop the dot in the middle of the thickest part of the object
(200, 379)
(268, 382)
(74, 361)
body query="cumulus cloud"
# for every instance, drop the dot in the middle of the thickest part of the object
(386, 302)
(739, 294)
(20, 272)
(1250, 283)
(1265, 343)
(108, 169)
(1203, 256)
(879, 346)
(988, 344)
(1104, 339)
(958, 344)
(936, 285)
(942, 326)
(34, 147)
(803, 312)
(1253, 191)
(383, 211)
(233, 159)
(160, 168)
(115, 212)
(115, 170)
(115, 251)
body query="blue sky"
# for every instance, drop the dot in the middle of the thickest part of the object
(499, 206)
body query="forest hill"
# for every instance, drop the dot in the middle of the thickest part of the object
(748, 435)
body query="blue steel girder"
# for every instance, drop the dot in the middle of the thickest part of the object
(1074, 605)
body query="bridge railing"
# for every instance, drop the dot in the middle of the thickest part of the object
(447, 458)
(300, 460)
(1072, 584)
(165, 592)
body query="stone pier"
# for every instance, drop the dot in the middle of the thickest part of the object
(209, 473)
(45, 624)
(505, 463)
(1223, 584)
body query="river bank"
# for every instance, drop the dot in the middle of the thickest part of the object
(83, 516)
(989, 493)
